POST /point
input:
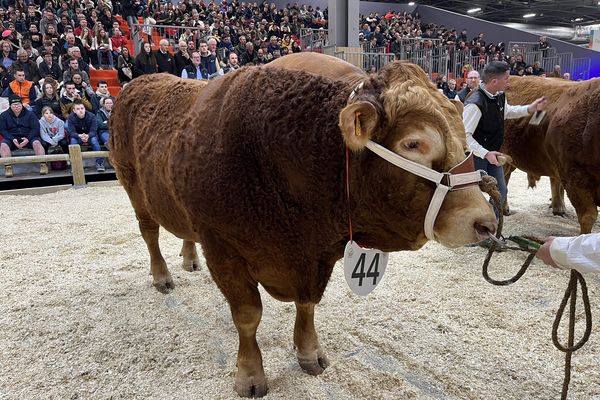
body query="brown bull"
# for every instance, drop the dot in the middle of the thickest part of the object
(253, 167)
(565, 146)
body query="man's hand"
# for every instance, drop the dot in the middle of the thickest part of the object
(544, 252)
(84, 137)
(537, 105)
(492, 157)
(22, 144)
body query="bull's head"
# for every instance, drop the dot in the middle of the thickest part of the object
(402, 111)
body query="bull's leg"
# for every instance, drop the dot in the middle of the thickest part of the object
(310, 354)
(191, 262)
(586, 209)
(246, 310)
(161, 277)
(229, 271)
(558, 197)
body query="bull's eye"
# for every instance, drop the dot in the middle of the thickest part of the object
(412, 145)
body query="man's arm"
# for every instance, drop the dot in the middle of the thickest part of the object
(471, 117)
(34, 126)
(4, 129)
(513, 112)
(32, 95)
(71, 129)
(581, 253)
(102, 125)
(65, 110)
(7, 92)
(93, 125)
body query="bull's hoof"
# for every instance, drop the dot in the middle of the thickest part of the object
(314, 367)
(559, 212)
(506, 211)
(191, 265)
(164, 285)
(249, 388)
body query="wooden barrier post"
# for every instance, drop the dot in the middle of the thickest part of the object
(76, 165)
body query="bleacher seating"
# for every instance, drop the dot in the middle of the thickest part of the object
(110, 76)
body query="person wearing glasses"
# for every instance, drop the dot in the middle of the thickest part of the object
(473, 82)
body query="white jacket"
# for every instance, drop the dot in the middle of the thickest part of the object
(581, 253)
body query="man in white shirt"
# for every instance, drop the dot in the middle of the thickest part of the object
(581, 253)
(484, 115)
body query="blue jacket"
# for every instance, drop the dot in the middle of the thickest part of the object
(25, 125)
(87, 124)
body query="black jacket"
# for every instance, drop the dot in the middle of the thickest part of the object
(54, 71)
(165, 62)
(490, 129)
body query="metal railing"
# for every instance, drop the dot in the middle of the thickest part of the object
(581, 69)
(365, 61)
(313, 39)
(151, 33)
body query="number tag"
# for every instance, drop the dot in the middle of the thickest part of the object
(363, 268)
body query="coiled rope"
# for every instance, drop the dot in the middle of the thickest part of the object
(488, 185)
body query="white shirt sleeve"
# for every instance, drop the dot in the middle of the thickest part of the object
(513, 112)
(471, 117)
(581, 253)
(184, 74)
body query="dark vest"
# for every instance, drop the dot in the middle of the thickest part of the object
(192, 72)
(490, 130)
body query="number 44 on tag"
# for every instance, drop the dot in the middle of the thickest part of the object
(363, 268)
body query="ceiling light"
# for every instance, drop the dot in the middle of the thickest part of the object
(412, 3)
(473, 10)
(578, 19)
(529, 15)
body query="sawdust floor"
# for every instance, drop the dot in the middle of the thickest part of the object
(80, 319)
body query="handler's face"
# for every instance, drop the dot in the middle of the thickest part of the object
(502, 81)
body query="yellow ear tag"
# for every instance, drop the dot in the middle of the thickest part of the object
(358, 131)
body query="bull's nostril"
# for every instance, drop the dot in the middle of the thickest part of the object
(485, 227)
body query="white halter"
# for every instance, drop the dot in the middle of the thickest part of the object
(465, 175)
(451, 182)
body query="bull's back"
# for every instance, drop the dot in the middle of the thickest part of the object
(530, 146)
(148, 112)
(322, 65)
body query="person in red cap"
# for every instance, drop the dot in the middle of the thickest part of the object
(20, 129)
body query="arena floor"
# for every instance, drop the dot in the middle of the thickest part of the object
(79, 318)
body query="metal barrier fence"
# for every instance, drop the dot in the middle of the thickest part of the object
(368, 48)
(150, 33)
(313, 39)
(581, 69)
(366, 60)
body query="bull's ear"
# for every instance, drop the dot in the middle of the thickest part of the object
(459, 106)
(358, 122)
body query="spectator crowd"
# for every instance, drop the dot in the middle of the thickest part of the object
(49, 47)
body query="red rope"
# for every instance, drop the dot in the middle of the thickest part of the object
(348, 193)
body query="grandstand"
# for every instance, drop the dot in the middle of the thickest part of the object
(384, 31)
